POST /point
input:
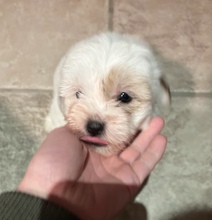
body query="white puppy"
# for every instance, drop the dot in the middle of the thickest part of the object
(107, 88)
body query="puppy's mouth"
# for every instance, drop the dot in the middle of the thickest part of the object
(93, 140)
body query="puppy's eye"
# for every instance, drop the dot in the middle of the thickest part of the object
(78, 94)
(124, 97)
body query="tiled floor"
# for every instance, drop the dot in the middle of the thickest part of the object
(34, 35)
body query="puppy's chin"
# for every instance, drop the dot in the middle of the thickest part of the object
(102, 146)
(109, 150)
(106, 150)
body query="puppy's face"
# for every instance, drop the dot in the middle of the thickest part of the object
(107, 111)
(109, 88)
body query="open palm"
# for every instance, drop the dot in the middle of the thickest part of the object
(86, 183)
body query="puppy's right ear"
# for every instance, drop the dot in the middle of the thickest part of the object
(164, 97)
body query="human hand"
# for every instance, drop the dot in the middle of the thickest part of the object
(86, 183)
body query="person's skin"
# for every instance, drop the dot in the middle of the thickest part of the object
(86, 183)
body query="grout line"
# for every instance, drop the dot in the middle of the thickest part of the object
(173, 93)
(110, 15)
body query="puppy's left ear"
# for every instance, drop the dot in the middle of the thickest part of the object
(164, 96)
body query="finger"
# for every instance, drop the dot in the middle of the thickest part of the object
(139, 145)
(150, 158)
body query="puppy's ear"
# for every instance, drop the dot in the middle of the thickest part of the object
(164, 96)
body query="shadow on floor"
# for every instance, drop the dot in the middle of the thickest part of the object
(194, 215)
(137, 211)
(133, 211)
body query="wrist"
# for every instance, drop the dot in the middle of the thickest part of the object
(30, 185)
(40, 187)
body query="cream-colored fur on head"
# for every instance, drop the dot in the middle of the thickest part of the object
(112, 80)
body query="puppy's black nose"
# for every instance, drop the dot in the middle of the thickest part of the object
(95, 128)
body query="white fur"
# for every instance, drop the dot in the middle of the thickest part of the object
(85, 68)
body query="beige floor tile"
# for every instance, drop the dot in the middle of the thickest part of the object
(181, 33)
(35, 34)
(180, 185)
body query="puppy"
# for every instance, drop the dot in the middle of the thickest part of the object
(107, 88)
